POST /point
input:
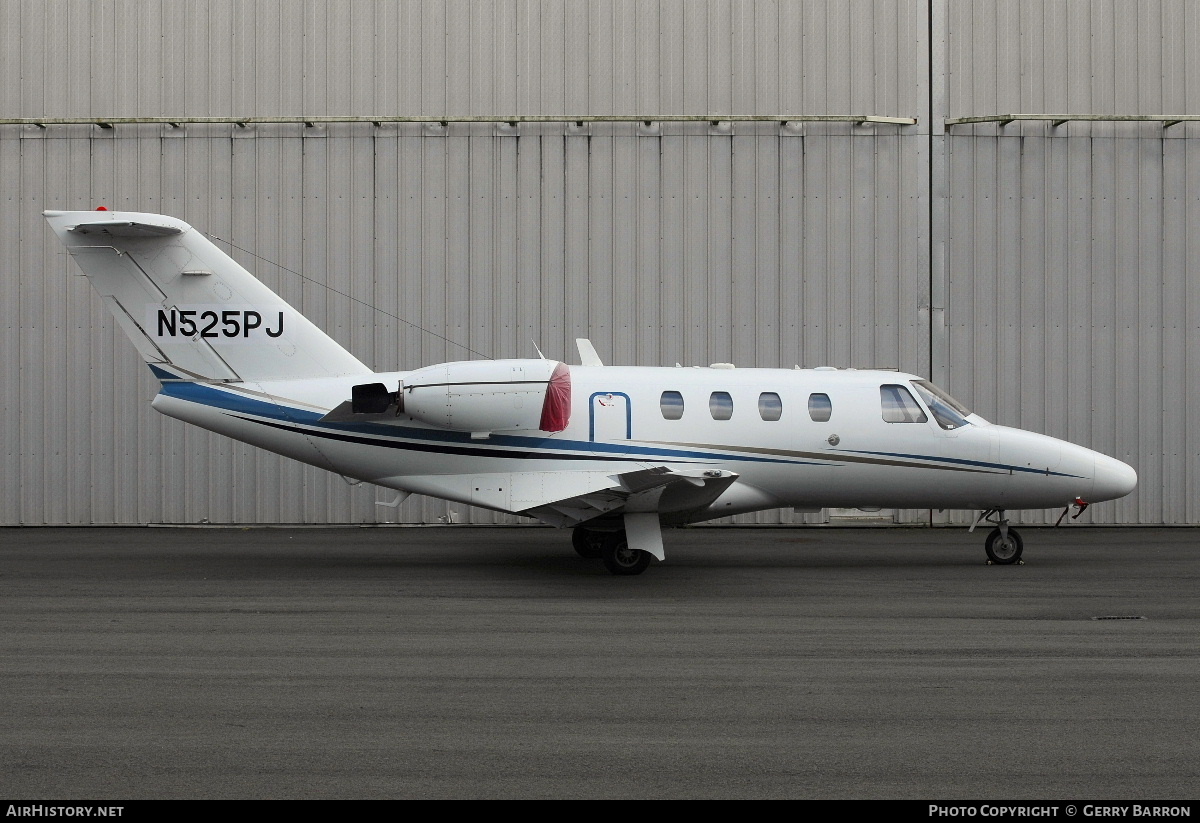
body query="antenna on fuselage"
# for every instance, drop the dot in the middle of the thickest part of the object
(587, 353)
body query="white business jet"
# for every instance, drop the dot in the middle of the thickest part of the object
(613, 452)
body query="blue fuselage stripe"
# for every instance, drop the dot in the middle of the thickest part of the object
(503, 446)
(289, 417)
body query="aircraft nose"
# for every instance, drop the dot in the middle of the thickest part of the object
(1113, 479)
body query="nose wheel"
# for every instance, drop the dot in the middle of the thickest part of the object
(1004, 545)
(1004, 549)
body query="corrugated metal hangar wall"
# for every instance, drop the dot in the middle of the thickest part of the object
(1038, 270)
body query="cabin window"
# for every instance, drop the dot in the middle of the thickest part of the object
(671, 404)
(819, 407)
(720, 405)
(899, 405)
(770, 407)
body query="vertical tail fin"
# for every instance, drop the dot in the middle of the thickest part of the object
(186, 304)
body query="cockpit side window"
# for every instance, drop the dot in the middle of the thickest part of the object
(899, 406)
(948, 412)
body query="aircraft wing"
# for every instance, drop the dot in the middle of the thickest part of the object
(659, 490)
(572, 498)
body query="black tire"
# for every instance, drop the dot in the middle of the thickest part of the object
(587, 543)
(619, 559)
(1004, 552)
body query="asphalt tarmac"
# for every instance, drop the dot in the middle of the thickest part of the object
(460, 662)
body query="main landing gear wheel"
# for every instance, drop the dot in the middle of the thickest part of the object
(587, 543)
(622, 560)
(1004, 550)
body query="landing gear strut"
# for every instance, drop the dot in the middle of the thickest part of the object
(1004, 544)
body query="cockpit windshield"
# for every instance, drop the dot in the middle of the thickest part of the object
(948, 412)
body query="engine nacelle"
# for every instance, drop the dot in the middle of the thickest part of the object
(489, 395)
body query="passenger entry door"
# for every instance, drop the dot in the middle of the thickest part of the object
(611, 418)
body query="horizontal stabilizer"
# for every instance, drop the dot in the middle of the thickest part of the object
(127, 228)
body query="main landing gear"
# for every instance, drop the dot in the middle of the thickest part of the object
(611, 547)
(587, 543)
(1004, 544)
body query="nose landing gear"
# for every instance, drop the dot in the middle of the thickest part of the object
(1004, 549)
(1004, 544)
